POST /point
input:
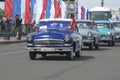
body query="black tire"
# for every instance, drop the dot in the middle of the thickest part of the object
(78, 53)
(32, 55)
(97, 46)
(69, 56)
(91, 46)
(43, 55)
(113, 43)
(110, 43)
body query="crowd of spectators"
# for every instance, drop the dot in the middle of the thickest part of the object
(13, 26)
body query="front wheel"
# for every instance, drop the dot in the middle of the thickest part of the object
(91, 46)
(32, 55)
(78, 53)
(110, 43)
(43, 54)
(97, 46)
(70, 55)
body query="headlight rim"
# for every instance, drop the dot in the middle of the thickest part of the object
(89, 35)
(29, 37)
(67, 38)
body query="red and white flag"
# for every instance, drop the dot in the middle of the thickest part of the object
(28, 14)
(8, 8)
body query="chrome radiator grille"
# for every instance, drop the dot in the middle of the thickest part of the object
(84, 37)
(48, 42)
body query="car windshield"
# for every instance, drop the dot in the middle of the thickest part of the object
(54, 25)
(103, 25)
(84, 25)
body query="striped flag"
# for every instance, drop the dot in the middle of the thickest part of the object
(8, 8)
(16, 7)
(57, 9)
(64, 9)
(43, 14)
(48, 8)
(33, 2)
(82, 13)
(39, 5)
(28, 12)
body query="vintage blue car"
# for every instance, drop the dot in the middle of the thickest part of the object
(107, 32)
(54, 36)
(89, 33)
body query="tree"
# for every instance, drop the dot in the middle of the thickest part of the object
(1, 13)
(2, 0)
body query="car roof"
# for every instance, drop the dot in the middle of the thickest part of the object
(56, 19)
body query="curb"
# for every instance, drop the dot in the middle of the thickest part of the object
(10, 42)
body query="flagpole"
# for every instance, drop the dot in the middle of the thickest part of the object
(102, 3)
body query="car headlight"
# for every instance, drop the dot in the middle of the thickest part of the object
(67, 37)
(89, 34)
(29, 37)
(109, 33)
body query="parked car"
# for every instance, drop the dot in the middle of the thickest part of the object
(107, 32)
(54, 36)
(116, 26)
(89, 33)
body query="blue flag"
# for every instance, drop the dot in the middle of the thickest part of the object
(48, 8)
(32, 6)
(17, 7)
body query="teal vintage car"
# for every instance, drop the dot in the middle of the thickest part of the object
(107, 32)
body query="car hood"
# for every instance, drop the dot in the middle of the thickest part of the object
(104, 30)
(84, 32)
(50, 34)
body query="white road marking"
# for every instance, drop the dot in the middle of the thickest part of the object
(12, 52)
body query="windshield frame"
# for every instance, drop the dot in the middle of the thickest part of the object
(62, 25)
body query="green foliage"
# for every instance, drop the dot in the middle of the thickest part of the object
(2, 0)
(1, 13)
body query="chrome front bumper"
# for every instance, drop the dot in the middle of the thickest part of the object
(87, 41)
(106, 39)
(50, 49)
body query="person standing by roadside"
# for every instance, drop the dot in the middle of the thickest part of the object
(6, 28)
(18, 27)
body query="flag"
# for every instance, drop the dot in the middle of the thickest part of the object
(52, 10)
(44, 9)
(73, 25)
(28, 14)
(39, 6)
(23, 2)
(64, 9)
(57, 9)
(82, 13)
(48, 8)
(8, 8)
(17, 7)
(33, 2)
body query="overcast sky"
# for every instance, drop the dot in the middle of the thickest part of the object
(92, 3)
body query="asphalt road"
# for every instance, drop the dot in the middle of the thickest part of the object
(102, 64)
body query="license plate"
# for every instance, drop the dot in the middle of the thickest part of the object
(47, 49)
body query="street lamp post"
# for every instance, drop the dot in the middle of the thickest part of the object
(102, 3)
